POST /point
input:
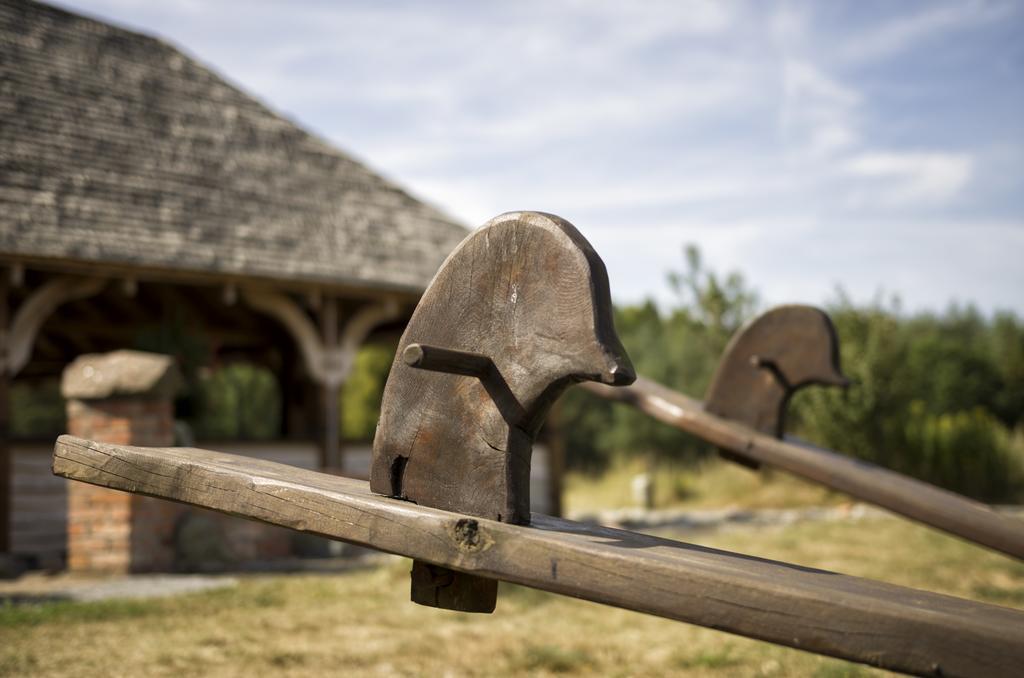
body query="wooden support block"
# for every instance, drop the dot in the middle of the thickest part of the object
(888, 626)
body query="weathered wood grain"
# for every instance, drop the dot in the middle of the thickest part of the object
(920, 501)
(527, 292)
(520, 310)
(860, 620)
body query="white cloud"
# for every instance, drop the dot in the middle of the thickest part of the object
(788, 25)
(804, 259)
(804, 81)
(909, 178)
(818, 112)
(903, 32)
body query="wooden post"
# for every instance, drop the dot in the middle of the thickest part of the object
(331, 445)
(556, 459)
(289, 395)
(6, 489)
(6, 474)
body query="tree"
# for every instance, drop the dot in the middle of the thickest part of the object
(679, 348)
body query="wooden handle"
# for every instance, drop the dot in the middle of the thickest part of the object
(437, 359)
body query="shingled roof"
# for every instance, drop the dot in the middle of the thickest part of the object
(117, 148)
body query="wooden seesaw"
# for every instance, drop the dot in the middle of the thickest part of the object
(519, 311)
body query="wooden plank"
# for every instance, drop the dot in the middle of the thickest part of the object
(856, 619)
(920, 501)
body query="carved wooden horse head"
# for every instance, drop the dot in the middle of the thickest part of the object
(517, 312)
(767, 360)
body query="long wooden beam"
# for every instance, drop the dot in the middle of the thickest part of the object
(920, 501)
(856, 619)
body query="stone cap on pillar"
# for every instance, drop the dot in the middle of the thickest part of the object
(121, 373)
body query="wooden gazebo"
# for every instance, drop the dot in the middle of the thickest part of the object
(137, 183)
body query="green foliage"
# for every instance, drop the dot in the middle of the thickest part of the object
(180, 335)
(968, 450)
(680, 347)
(859, 420)
(932, 396)
(1006, 348)
(13, 615)
(361, 395)
(239, 402)
(243, 402)
(37, 410)
(718, 306)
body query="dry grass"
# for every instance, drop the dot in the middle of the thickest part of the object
(715, 484)
(362, 623)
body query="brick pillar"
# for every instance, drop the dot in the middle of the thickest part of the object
(124, 397)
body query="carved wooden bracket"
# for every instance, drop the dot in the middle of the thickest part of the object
(329, 365)
(31, 315)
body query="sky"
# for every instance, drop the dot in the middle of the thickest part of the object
(876, 147)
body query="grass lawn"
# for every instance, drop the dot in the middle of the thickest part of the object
(713, 484)
(361, 623)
